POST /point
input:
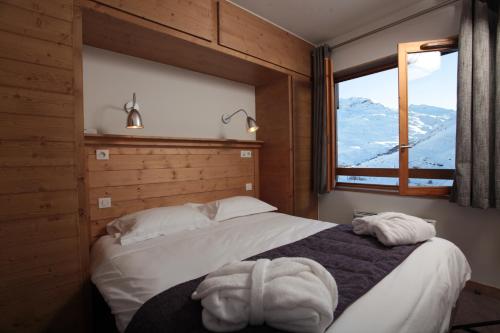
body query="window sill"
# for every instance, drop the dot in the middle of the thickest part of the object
(381, 189)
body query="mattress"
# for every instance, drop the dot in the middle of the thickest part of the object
(417, 296)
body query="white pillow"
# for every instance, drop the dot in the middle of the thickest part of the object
(229, 208)
(151, 223)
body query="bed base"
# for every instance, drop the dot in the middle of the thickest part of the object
(103, 320)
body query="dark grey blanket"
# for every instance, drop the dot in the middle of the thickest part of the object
(356, 262)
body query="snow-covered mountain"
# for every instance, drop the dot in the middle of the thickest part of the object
(368, 135)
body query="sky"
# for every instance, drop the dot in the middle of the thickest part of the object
(437, 89)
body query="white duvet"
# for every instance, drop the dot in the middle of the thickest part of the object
(417, 296)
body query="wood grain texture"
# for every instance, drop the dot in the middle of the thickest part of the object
(193, 17)
(83, 239)
(155, 190)
(145, 172)
(110, 29)
(34, 24)
(37, 103)
(151, 176)
(125, 141)
(24, 127)
(26, 205)
(305, 200)
(33, 76)
(139, 162)
(36, 179)
(242, 31)
(61, 9)
(40, 253)
(37, 230)
(274, 109)
(36, 51)
(36, 153)
(392, 172)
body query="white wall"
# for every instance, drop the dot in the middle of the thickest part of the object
(174, 102)
(475, 231)
(440, 23)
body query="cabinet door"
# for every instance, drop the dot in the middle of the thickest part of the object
(249, 34)
(195, 17)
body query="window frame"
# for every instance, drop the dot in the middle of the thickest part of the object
(403, 172)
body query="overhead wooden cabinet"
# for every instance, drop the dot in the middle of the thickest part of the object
(195, 17)
(249, 34)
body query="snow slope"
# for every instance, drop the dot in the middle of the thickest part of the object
(368, 136)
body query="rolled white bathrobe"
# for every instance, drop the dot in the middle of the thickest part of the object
(291, 294)
(392, 228)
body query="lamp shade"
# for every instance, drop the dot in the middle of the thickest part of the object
(134, 119)
(251, 125)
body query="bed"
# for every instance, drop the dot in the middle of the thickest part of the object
(417, 296)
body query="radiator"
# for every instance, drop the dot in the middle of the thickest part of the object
(360, 213)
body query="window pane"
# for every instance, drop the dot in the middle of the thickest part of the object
(368, 180)
(368, 121)
(429, 182)
(432, 99)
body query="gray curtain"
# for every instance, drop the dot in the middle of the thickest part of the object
(319, 120)
(477, 179)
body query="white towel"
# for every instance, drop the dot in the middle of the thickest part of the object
(291, 294)
(394, 228)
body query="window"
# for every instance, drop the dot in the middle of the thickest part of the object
(395, 128)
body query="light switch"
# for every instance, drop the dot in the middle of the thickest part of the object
(248, 186)
(104, 202)
(102, 154)
(246, 154)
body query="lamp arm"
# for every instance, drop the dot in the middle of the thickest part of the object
(128, 109)
(227, 119)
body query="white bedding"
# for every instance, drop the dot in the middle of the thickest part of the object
(417, 296)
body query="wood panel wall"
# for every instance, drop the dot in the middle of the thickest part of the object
(273, 104)
(150, 172)
(305, 200)
(41, 260)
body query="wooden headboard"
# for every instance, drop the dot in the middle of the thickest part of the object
(147, 172)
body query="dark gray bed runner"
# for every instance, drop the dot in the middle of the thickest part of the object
(356, 262)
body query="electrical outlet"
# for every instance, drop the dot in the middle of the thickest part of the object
(102, 154)
(104, 202)
(246, 154)
(248, 186)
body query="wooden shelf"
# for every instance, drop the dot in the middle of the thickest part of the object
(132, 140)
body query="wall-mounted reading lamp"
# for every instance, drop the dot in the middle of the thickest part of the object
(134, 119)
(251, 123)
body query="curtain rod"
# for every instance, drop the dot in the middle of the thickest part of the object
(390, 25)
